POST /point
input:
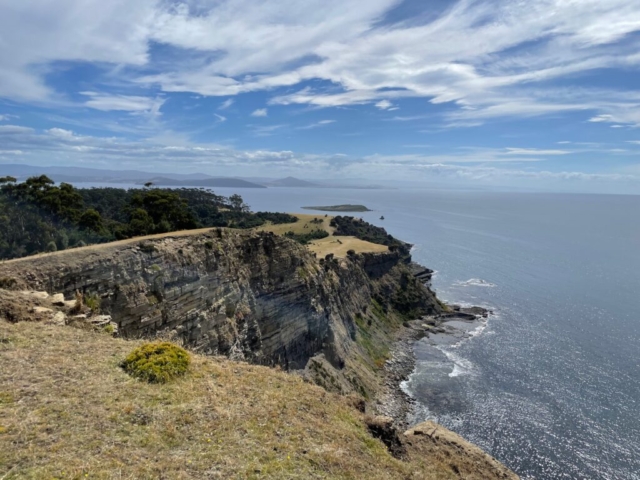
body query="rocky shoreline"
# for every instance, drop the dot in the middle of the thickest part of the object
(392, 401)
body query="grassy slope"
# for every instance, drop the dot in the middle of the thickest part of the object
(326, 245)
(68, 411)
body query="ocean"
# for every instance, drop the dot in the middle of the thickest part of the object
(550, 385)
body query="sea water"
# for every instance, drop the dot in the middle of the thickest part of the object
(550, 385)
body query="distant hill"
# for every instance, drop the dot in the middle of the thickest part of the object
(297, 182)
(206, 182)
(292, 182)
(76, 175)
(90, 175)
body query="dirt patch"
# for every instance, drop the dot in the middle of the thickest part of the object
(15, 307)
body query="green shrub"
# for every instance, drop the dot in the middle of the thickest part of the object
(147, 247)
(305, 238)
(93, 302)
(157, 362)
(230, 309)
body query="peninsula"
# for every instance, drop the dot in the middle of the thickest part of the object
(340, 208)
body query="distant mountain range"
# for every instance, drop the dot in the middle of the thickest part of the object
(206, 182)
(98, 176)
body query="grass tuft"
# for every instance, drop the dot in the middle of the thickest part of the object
(93, 302)
(157, 362)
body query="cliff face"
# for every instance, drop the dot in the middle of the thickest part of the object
(251, 296)
(248, 296)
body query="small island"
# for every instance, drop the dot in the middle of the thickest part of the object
(340, 208)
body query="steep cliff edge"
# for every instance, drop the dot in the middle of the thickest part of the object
(68, 411)
(250, 296)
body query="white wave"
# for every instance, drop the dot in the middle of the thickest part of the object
(461, 366)
(479, 329)
(474, 282)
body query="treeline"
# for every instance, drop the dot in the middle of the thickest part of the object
(305, 238)
(39, 216)
(355, 227)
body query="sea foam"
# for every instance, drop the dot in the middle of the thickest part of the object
(475, 282)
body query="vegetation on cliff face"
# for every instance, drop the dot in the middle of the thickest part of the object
(39, 216)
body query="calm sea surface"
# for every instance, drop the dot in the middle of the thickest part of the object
(551, 384)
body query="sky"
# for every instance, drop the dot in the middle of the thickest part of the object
(533, 94)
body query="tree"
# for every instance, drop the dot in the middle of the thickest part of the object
(148, 185)
(237, 203)
(91, 220)
(141, 223)
(8, 179)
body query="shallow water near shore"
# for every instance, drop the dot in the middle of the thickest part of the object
(550, 384)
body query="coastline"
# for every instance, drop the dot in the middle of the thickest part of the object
(392, 401)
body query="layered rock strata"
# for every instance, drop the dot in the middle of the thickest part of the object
(246, 295)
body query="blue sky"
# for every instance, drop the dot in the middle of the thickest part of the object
(542, 94)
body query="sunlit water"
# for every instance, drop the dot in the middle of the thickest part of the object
(551, 384)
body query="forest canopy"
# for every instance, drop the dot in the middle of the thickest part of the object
(39, 216)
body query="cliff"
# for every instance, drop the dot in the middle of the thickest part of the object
(249, 296)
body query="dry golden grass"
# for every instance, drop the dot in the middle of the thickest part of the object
(303, 225)
(339, 246)
(67, 410)
(71, 252)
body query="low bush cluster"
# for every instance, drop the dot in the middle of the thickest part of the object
(157, 362)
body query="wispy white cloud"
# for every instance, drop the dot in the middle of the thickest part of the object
(220, 118)
(321, 123)
(135, 104)
(234, 46)
(260, 112)
(535, 151)
(266, 130)
(472, 164)
(15, 130)
(36, 34)
(385, 105)
(226, 104)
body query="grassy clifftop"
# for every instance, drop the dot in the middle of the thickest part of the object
(67, 410)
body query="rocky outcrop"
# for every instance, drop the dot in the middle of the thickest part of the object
(246, 295)
(465, 460)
